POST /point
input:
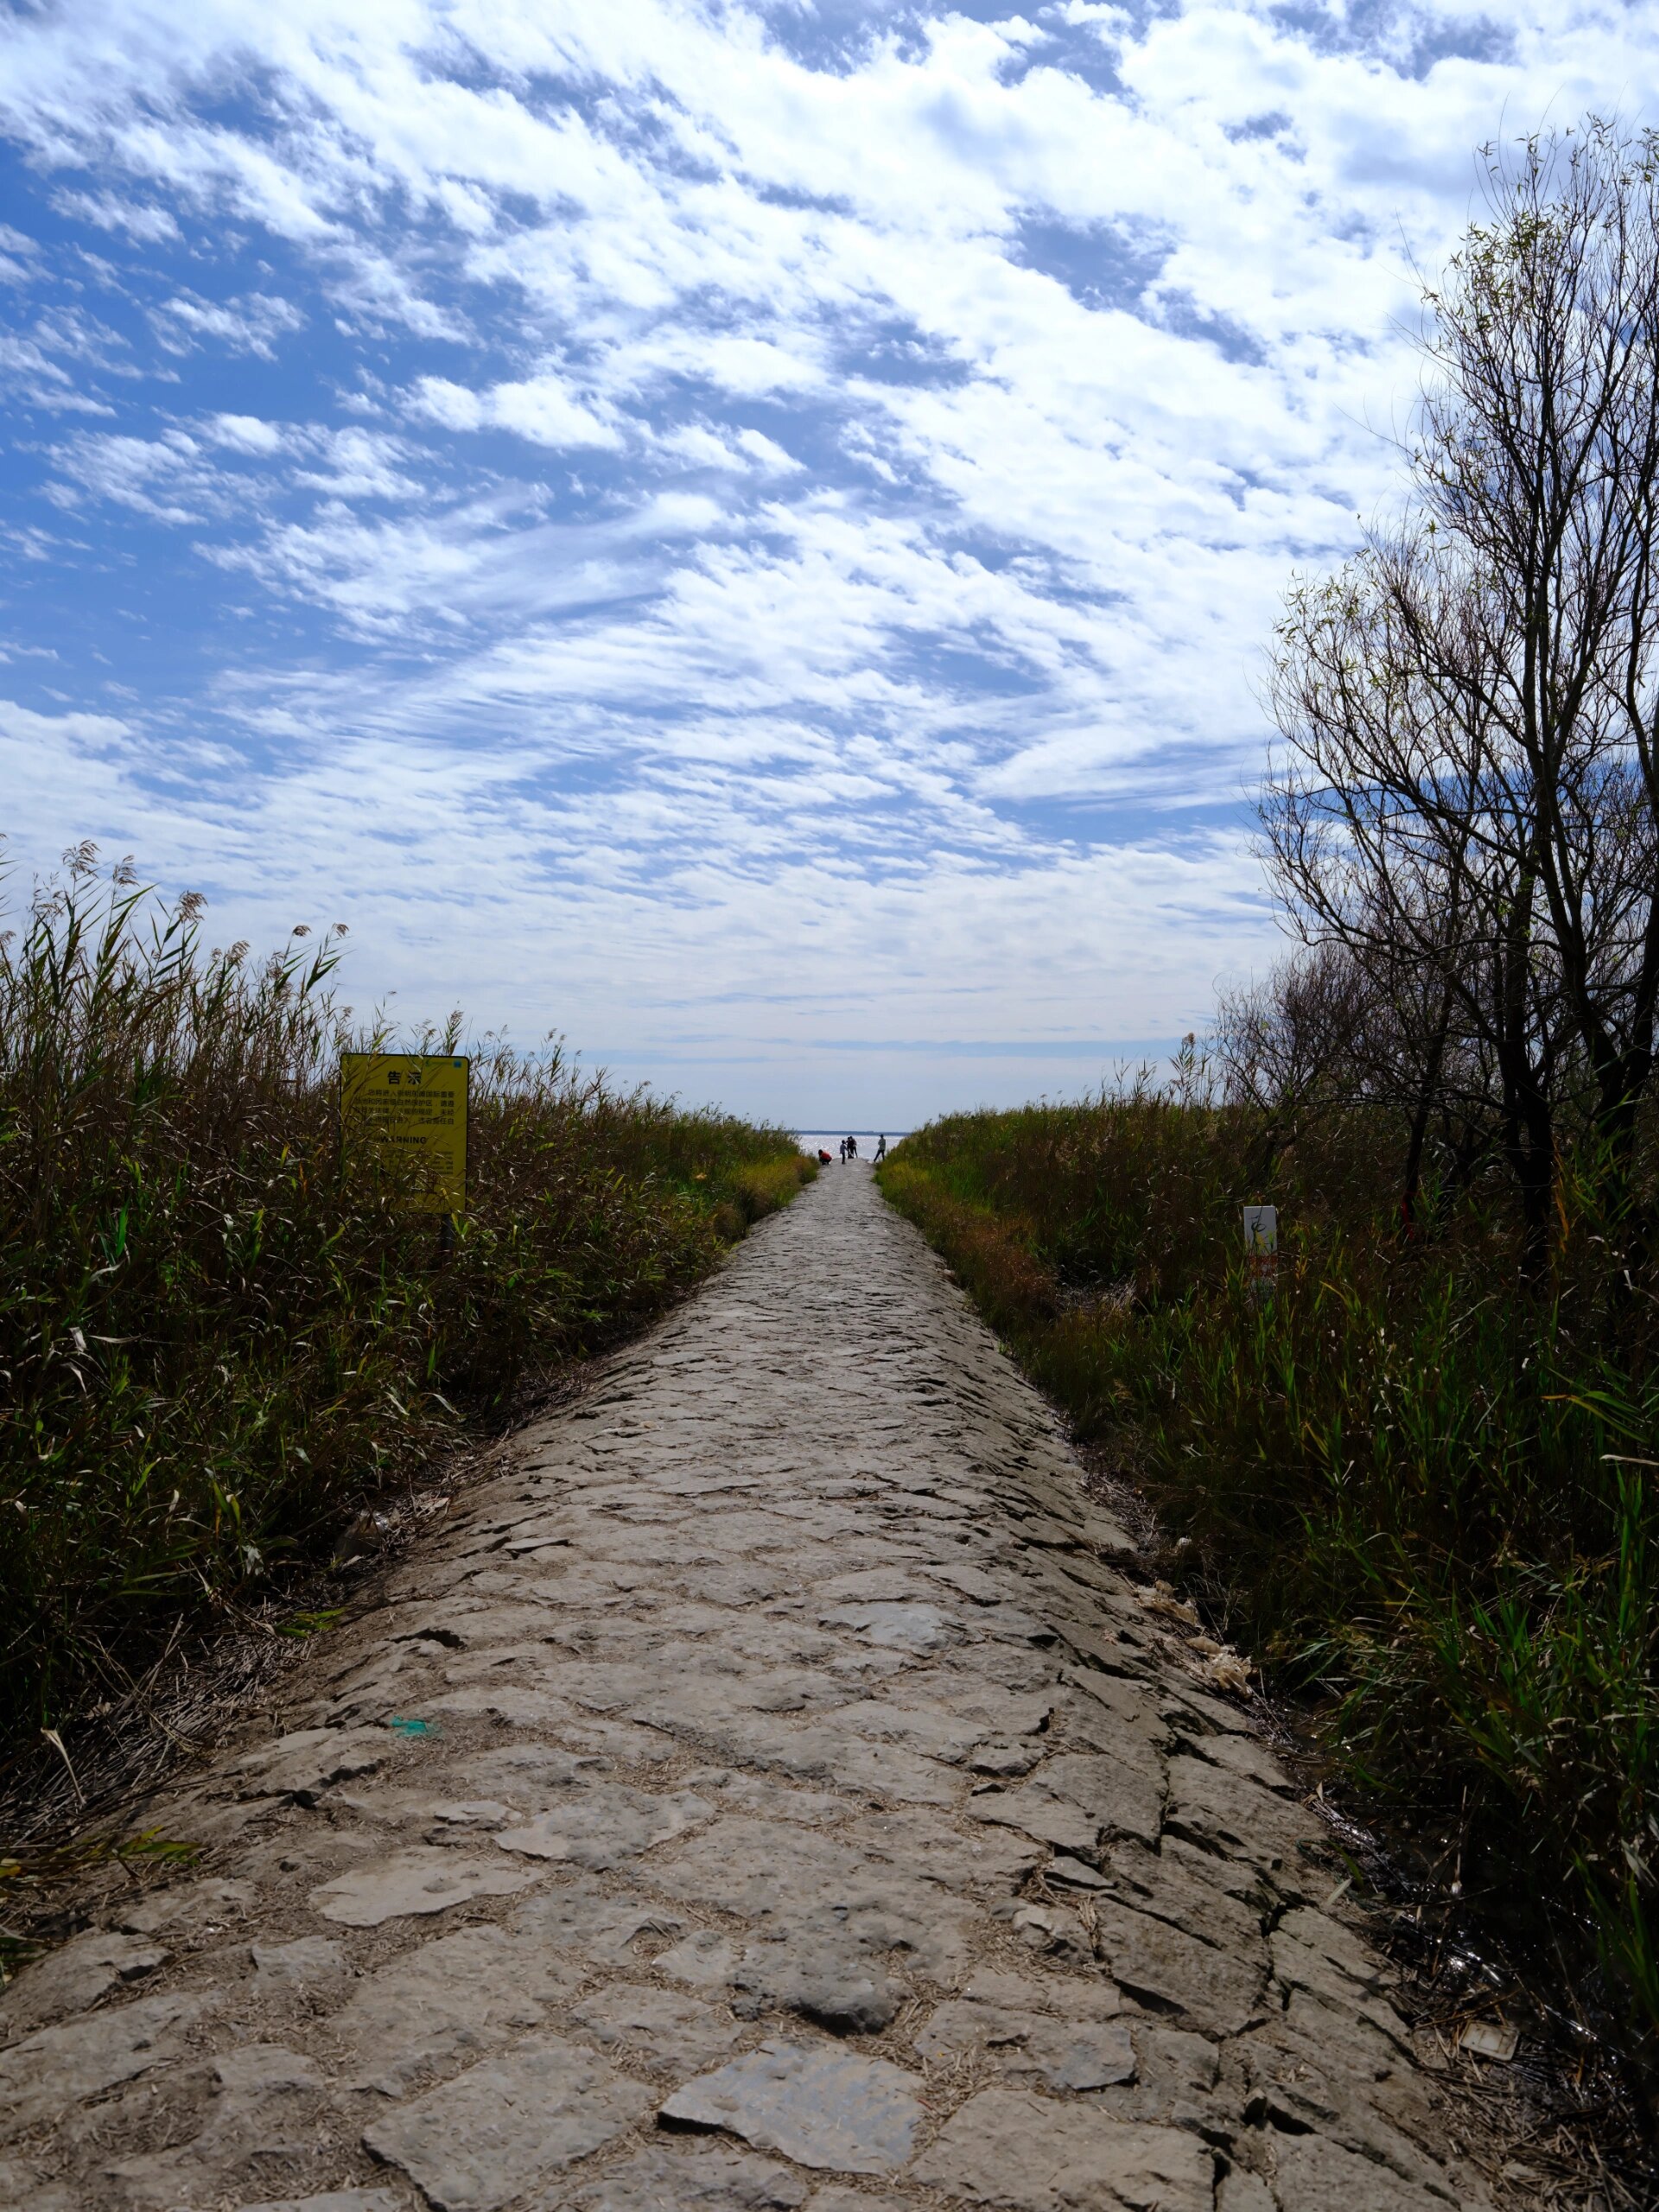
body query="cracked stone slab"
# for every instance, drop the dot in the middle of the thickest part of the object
(188, 1908)
(1177, 2059)
(302, 1766)
(892, 1585)
(673, 2033)
(1053, 1930)
(1037, 1810)
(56, 2067)
(464, 1625)
(1242, 2191)
(1314, 1953)
(451, 2001)
(265, 2112)
(1032, 2047)
(604, 1824)
(583, 1919)
(904, 1626)
(695, 2177)
(1247, 1756)
(1330, 2076)
(73, 1977)
(933, 1729)
(420, 1880)
(1235, 1814)
(1009, 2148)
(1004, 1759)
(784, 1879)
(1224, 1901)
(1214, 1990)
(506, 2124)
(822, 1749)
(306, 1963)
(1075, 1997)
(1312, 2175)
(513, 1704)
(817, 2104)
(992, 1861)
(525, 1774)
(1122, 1788)
(736, 1791)
(707, 1959)
(826, 1966)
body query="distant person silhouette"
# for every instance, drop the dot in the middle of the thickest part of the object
(852, 1147)
(881, 1150)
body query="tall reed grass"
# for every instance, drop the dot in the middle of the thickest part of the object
(211, 1346)
(1414, 1492)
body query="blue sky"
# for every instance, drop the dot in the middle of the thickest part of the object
(743, 534)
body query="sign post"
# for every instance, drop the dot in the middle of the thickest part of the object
(1262, 1251)
(409, 1109)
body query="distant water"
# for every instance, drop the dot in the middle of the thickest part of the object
(827, 1140)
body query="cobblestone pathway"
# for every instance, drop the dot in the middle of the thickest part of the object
(763, 1794)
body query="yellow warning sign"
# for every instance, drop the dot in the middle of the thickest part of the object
(410, 1109)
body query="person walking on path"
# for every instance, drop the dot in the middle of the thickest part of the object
(881, 1150)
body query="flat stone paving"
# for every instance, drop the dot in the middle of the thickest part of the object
(766, 1793)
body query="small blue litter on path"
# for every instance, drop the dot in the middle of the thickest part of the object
(414, 1727)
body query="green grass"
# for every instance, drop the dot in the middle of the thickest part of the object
(213, 1348)
(1419, 1497)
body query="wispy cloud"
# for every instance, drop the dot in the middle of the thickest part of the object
(250, 325)
(140, 220)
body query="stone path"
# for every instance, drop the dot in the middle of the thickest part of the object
(765, 1793)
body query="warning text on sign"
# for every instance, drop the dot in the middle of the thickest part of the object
(407, 1111)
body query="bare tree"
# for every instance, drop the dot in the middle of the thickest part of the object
(1391, 836)
(1290, 1048)
(1467, 793)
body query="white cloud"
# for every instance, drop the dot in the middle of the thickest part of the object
(454, 406)
(245, 434)
(137, 219)
(766, 454)
(542, 412)
(249, 325)
(360, 464)
(783, 530)
(59, 734)
(701, 446)
(28, 368)
(539, 410)
(167, 479)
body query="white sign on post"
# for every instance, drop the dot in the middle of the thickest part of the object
(1261, 1249)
